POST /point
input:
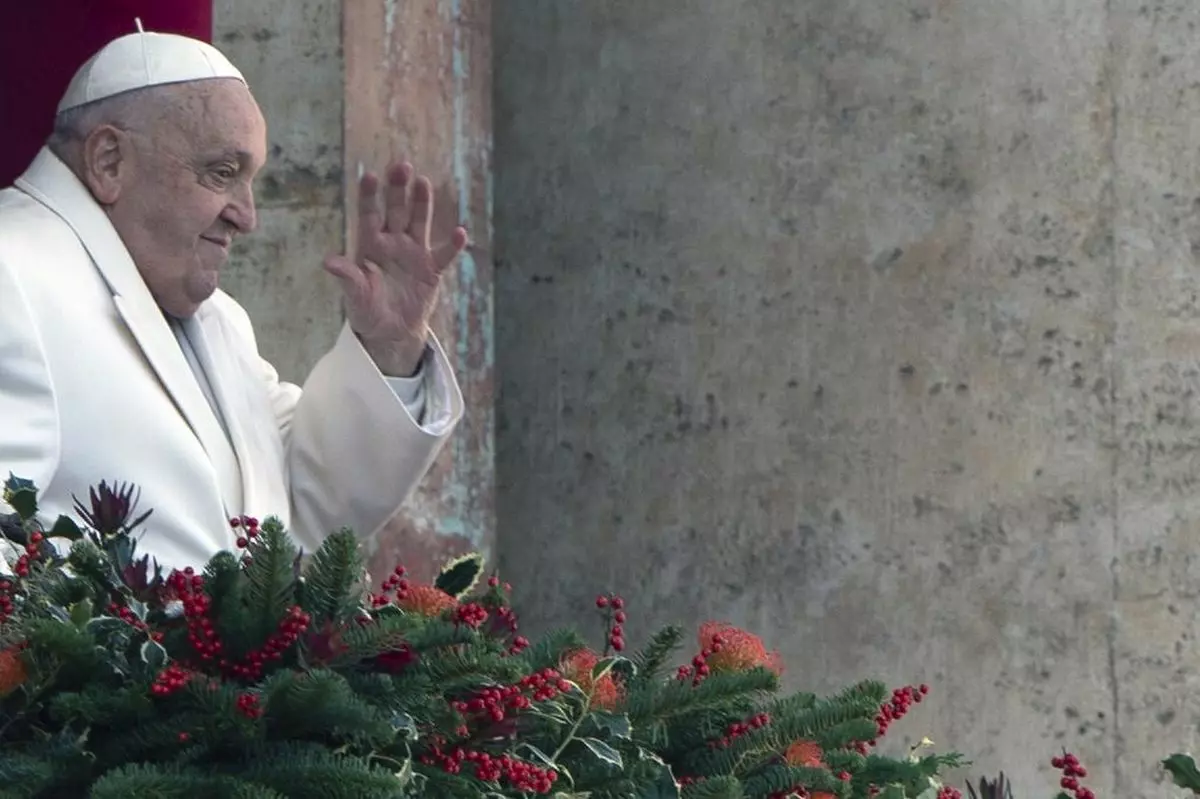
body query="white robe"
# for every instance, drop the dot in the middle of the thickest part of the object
(94, 384)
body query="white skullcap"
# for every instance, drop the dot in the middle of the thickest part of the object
(141, 60)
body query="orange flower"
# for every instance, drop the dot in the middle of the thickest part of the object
(804, 753)
(12, 670)
(734, 649)
(426, 600)
(577, 667)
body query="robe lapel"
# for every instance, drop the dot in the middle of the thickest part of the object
(206, 338)
(49, 181)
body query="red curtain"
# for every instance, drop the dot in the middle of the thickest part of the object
(43, 42)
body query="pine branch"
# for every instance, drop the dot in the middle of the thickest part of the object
(271, 578)
(715, 788)
(331, 578)
(309, 771)
(319, 705)
(653, 657)
(547, 653)
(783, 777)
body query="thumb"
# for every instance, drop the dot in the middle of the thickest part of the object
(346, 271)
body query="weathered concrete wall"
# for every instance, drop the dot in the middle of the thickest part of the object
(347, 87)
(291, 54)
(871, 327)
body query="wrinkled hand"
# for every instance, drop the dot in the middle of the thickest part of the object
(391, 286)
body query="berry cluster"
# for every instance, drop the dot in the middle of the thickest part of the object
(470, 615)
(170, 680)
(6, 599)
(739, 728)
(946, 792)
(249, 529)
(248, 706)
(32, 552)
(614, 610)
(395, 584)
(895, 709)
(700, 668)
(519, 774)
(202, 635)
(1072, 771)
(498, 703)
(129, 617)
(504, 621)
(189, 587)
(289, 631)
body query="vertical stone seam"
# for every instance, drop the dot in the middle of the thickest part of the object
(1110, 211)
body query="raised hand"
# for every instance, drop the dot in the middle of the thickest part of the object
(391, 286)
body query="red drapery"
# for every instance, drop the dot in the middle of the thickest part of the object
(43, 42)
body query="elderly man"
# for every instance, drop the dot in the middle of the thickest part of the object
(121, 359)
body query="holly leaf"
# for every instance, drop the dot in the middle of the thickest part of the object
(1183, 770)
(21, 496)
(610, 725)
(664, 786)
(602, 667)
(460, 575)
(153, 655)
(538, 755)
(65, 527)
(603, 751)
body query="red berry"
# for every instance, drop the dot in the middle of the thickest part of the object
(619, 617)
(601, 601)
(618, 603)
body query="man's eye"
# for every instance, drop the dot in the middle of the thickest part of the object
(225, 173)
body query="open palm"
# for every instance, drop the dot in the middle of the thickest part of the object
(391, 286)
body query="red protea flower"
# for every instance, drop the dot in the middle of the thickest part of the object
(426, 600)
(12, 670)
(577, 667)
(734, 649)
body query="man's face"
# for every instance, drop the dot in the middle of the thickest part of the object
(186, 190)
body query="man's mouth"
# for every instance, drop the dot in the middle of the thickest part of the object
(222, 243)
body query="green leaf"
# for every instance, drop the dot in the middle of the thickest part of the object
(1183, 770)
(459, 576)
(602, 667)
(537, 754)
(24, 502)
(603, 751)
(65, 527)
(153, 655)
(81, 613)
(664, 786)
(611, 725)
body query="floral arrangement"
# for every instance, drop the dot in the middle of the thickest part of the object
(265, 674)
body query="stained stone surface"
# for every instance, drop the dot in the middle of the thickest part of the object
(872, 327)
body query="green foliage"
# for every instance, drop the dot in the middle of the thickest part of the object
(365, 698)
(460, 575)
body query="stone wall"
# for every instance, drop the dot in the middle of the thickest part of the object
(872, 327)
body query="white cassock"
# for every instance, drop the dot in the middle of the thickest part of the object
(97, 384)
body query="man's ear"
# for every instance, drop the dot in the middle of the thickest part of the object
(106, 162)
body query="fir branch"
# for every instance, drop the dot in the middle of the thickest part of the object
(174, 782)
(653, 657)
(310, 771)
(319, 705)
(271, 579)
(782, 777)
(653, 707)
(715, 788)
(30, 773)
(331, 578)
(548, 652)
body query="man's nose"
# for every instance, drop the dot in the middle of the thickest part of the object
(241, 213)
